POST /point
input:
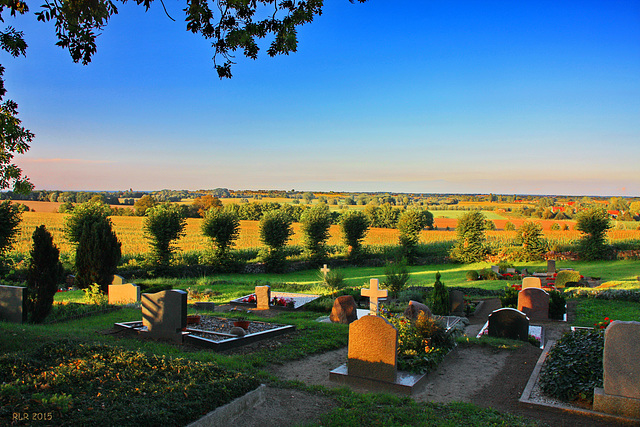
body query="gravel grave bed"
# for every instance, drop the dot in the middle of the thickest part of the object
(210, 326)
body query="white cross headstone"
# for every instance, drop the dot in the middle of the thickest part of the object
(374, 294)
(325, 270)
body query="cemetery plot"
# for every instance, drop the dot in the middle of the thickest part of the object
(278, 300)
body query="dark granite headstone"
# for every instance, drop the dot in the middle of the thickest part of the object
(509, 323)
(456, 302)
(551, 266)
(12, 304)
(165, 313)
(344, 310)
(415, 308)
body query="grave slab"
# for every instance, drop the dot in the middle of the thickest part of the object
(12, 304)
(534, 302)
(531, 282)
(509, 323)
(372, 352)
(124, 294)
(164, 314)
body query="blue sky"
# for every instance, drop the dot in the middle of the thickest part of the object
(534, 97)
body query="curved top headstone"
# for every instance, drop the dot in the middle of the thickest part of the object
(509, 323)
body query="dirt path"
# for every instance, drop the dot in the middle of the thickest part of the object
(481, 375)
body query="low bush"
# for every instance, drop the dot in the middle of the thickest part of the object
(565, 276)
(573, 367)
(411, 295)
(397, 277)
(488, 274)
(472, 275)
(606, 294)
(440, 298)
(509, 297)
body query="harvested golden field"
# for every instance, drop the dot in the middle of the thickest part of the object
(130, 234)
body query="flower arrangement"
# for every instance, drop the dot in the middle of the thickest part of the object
(251, 299)
(603, 324)
(282, 302)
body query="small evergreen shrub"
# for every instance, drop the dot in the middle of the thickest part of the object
(334, 280)
(440, 298)
(488, 274)
(472, 275)
(573, 367)
(397, 277)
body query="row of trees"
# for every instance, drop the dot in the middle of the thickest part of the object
(470, 245)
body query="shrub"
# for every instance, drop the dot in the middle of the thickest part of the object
(411, 295)
(440, 297)
(97, 255)
(397, 276)
(334, 280)
(593, 224)
(354, 226)
(315, 223)
(488, 274)
(573, 367)
(93, 295)
(275, 230)
(557, 305)
(509, 298)
(222, 227)
(43, 275)
(555, 226)
(410, 224)
(10, 217)
(163, 224)
(469, 246)
(472, 275)
(533, 244)
(508, 226)
(85, 213)
(564, 276)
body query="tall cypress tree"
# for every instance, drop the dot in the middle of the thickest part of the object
(43, 275)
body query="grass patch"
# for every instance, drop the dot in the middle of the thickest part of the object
(493, 342)
(591, 311)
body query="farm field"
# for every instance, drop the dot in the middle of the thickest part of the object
(130, 233)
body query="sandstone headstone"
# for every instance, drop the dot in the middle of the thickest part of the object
(373, 344)
(415, 308)
(117, 280)
(124, 294)
(263, 297)
(165, 313)
(531, 282)
(534, 303)
(509, 323)
(456, 302)
(12, 304)
(621, 392)
(344, 310)
(551, 266)
(325, 270)
(374, 295)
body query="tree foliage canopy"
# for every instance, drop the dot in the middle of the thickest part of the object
(593, 224)
(469, 246)
(164, 224)
(222, 227)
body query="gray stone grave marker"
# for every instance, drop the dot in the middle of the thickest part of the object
(551, 266)
(372, 353)
(456, 302)
(509, 323)
(534, 302)
(495, 269)
(263, 297)
(117, 280)
(415, 308)
(12, 304)
(621, 392)
(164, 314)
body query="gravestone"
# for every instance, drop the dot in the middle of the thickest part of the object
(456, 302)
(511, 270)
(373, 345)
(117, 280)
(534, 303)
(124, 294)
(509, 323)
(551, 266)
(325, 270)
(263, 297)
(415, 308)
(12, 304)
(164, 314)
(374, 295)
(495, 269)
(344, 310)
(621, 392)
(531, 282)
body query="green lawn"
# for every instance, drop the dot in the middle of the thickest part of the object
(591, 311)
